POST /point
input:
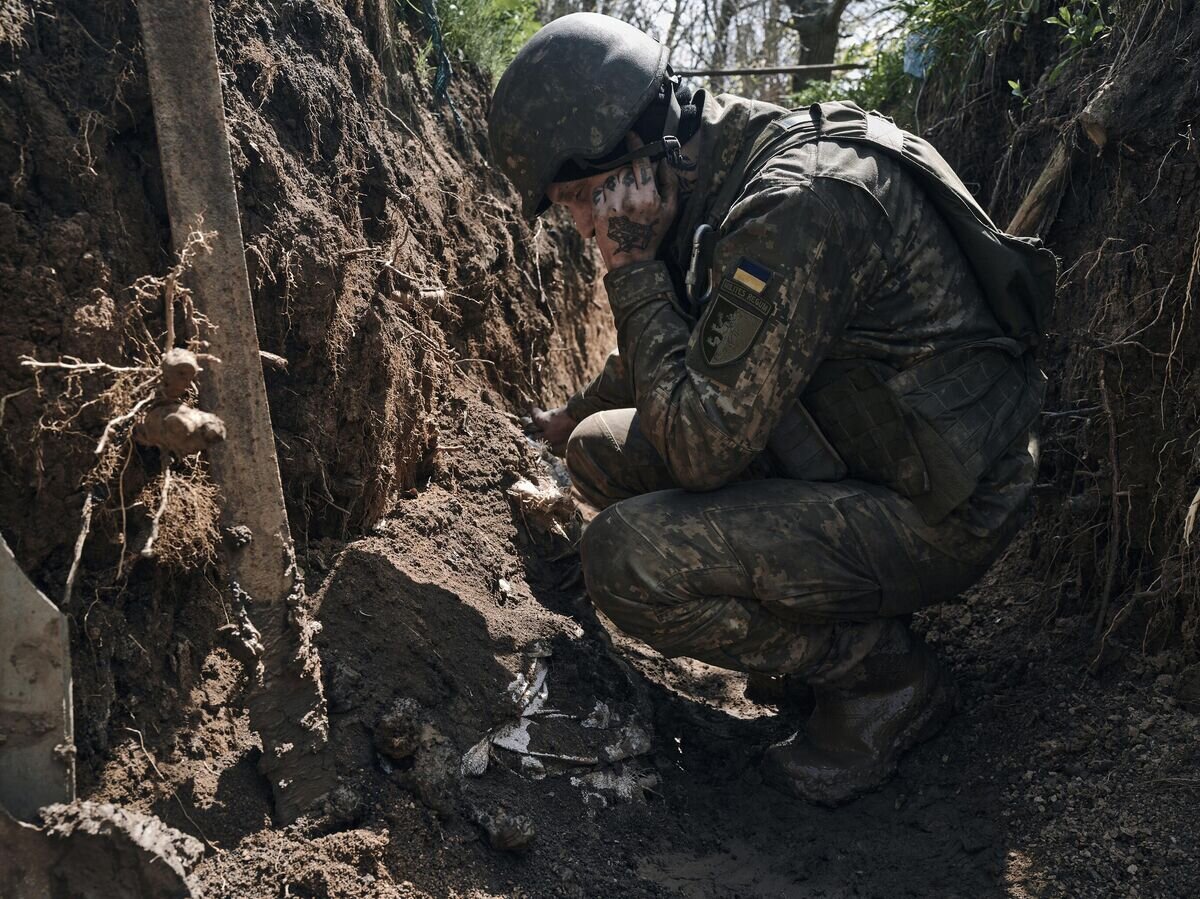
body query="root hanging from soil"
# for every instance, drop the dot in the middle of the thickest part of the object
(142, 399)
(183, 529)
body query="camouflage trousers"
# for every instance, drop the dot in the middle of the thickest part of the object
(765, 575)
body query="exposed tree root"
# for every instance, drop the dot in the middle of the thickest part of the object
(141, 399)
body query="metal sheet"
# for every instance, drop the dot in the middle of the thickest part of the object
(37, 739)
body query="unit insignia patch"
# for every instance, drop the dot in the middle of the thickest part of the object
(736, 315)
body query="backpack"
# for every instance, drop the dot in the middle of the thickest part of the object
(1016, 274)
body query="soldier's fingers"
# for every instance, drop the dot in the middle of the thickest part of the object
(629, 177)
(534, 421)
(605, 188)
(607, 206)
(645, 172)
(642, 168)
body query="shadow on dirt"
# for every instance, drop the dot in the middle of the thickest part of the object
(718, 831)
(387, 636)
(922, 835)
(240, 805)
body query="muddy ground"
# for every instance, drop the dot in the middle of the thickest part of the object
(1048, 783)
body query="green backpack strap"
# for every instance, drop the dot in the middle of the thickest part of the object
(1017, 274)
(749, 161)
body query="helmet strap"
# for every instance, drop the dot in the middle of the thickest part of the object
(670, 142)
(668, 146)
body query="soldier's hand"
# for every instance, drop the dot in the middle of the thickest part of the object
(554, 426)
(632, 212)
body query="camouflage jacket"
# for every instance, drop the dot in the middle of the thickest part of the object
(832, 274)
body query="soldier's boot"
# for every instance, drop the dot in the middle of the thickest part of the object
(899, 696)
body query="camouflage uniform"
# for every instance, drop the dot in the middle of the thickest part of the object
(767, 500)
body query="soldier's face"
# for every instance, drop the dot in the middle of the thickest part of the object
(576, 196)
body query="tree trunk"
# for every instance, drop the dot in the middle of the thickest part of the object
(722, 40)
(816, 23)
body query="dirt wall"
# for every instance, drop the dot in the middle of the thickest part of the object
(387, 267)
(1113, 530)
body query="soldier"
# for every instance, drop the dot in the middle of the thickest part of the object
(819, 416)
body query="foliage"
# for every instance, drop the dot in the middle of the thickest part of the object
(487, 33)
(1083, 27)
(965, 35)
(884, 86)
(1087, 25)
(960, 37)
(962, 31)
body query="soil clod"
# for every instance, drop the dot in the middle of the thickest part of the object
(398, 733)
(344, 806)
(505, 831)
(92, 850)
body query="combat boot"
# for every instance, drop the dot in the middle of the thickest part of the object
(898, 696)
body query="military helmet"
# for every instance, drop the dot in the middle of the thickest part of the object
(570, 95)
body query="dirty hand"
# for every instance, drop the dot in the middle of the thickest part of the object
(554, 426)
(630, 211)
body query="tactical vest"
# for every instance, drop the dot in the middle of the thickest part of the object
(929, 432)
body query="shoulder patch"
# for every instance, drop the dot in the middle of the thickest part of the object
(735, 317)
(752, 275)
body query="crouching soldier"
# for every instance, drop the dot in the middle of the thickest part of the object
(819, 416)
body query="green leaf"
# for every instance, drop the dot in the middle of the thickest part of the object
(1057, 71)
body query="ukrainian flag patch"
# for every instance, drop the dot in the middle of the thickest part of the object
(752, 275)
(735, 317)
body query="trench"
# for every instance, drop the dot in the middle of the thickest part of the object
(420, 318)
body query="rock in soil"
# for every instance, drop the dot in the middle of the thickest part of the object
(435, 773)
(340, 688)
(344, 806)
(398, 733)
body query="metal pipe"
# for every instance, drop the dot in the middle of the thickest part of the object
(777, 70)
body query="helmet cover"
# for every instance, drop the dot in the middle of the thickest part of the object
(571, 93)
